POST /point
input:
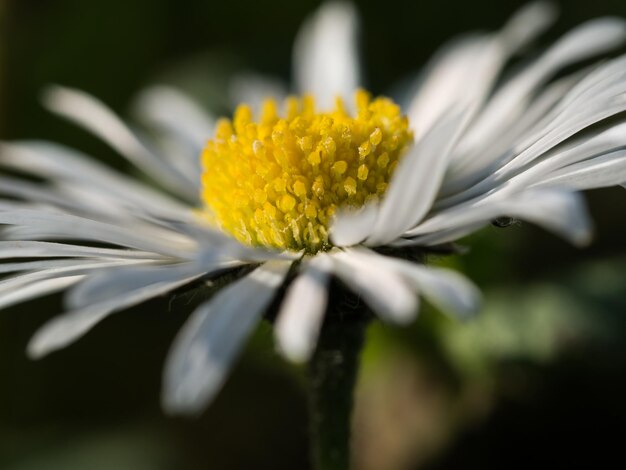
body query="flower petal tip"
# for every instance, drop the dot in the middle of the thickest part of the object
(37, 349)
(52, 95)
(351, 227)
(583, 238)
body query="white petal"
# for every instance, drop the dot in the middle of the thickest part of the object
(562, 212)
(469, 167)
(55, 162)
(36, 192)
(381, 288)
(36, 289)
(599, 89)
(587, 147)
(351, 227)
(88, 112)
(527, 23)
(69, 327)
(416, 182)
(39, 265)
(600, 172)
(557, 210)
(19, 205)
(42, 225)
(464, 71)
(172, 110)
(34, 249)
(325, 54)
(22, 286)
(603, 84)
(581, 109)
(440, 237)
(208, 343)
(301, 313)
(117, 282)
(446, 289)
(459, 76)
(585, 119)
(182, 127)
(79, 266)
(585, 41)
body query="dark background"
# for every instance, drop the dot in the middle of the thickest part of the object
(537, 379)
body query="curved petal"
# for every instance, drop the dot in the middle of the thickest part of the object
(37, 289)
(448, 290)
(464, 71)
(69, 327)
(585, 150)
(117, 282)
(26, 286)
(382, 289)
(585, 41)
(417, 180)
(208, 343)
(93, 115)
(604, 171)
(561, 211)
(300, 317)
(172, 110)
(182, 126)
(599, 96)
(71, 168)
(36, 192)
(36, 249)
(32, 224)
(460, 76)
(352, 227)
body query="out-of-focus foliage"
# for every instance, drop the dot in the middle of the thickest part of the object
(424, 387)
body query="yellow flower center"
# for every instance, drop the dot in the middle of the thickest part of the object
(277, 182)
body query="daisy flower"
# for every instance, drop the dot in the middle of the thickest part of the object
(332, 184)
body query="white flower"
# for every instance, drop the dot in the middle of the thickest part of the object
(483, 148)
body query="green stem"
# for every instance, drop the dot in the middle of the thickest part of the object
(333, 372)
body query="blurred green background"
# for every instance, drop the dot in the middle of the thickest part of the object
(537, 379)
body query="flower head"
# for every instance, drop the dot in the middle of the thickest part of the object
(318, 193)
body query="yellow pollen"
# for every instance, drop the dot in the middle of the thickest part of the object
(277, 182)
